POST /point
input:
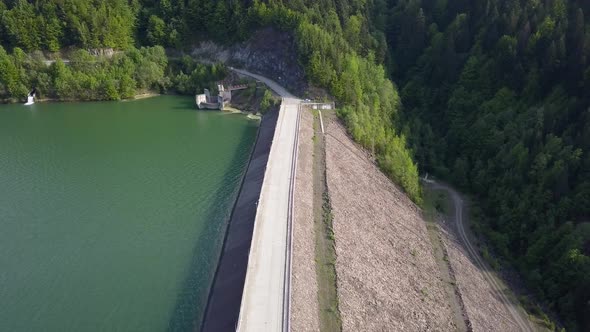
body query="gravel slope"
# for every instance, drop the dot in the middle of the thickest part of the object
(304, 296)
(486, 312)
(387, 276)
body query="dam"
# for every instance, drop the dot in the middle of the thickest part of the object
(251, 289)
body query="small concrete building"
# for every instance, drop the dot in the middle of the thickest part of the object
(206, 101)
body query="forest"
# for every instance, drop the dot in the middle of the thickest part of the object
(87, 77)
(31, 32)
(490, 95)
(496, 100)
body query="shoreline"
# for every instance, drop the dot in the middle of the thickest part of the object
(143, 96)
(250, 115)
(138, 96)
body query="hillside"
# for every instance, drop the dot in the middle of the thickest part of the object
(387, 276)
(496, 100)
(493, 97)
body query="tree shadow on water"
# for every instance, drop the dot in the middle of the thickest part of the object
(192, 299)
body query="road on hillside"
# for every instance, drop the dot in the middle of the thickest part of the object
(519, 317)
(270, 83)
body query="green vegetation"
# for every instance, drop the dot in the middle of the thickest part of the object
(537, 315)
(325, 247)
(344, 58)
(266, 101)
(256, 98)
(485, 253)
(89, 77)
(496, 101)
(327, 283)
(52, 25)
(333, 41)
(493, 97)
(86, 78)
(86, 29)
(189, 76)
(437, 201)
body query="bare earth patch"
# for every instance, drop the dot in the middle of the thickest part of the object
(304, 296)
(387, 276)
(486, 312)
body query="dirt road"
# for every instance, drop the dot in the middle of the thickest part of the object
(519, 317)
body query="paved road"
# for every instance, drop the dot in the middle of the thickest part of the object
(519, 317)
(270, 83)
(265, 300)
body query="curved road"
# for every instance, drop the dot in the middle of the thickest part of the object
(270, 83)
(519, 318)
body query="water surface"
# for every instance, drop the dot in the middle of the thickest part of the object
(112, 214)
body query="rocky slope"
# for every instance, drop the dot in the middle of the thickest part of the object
(387, 276)
(268, 52)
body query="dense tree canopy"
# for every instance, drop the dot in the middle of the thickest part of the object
(52, 25)
(493, 96)
(495, 100)
(86, 77)
(89, 77)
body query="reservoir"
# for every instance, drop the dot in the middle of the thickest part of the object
(112, 214)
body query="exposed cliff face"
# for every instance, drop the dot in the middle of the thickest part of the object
(269, 52)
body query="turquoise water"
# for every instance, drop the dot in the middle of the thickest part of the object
(112, 214)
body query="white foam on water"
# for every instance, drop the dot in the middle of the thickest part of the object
(30, 100)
